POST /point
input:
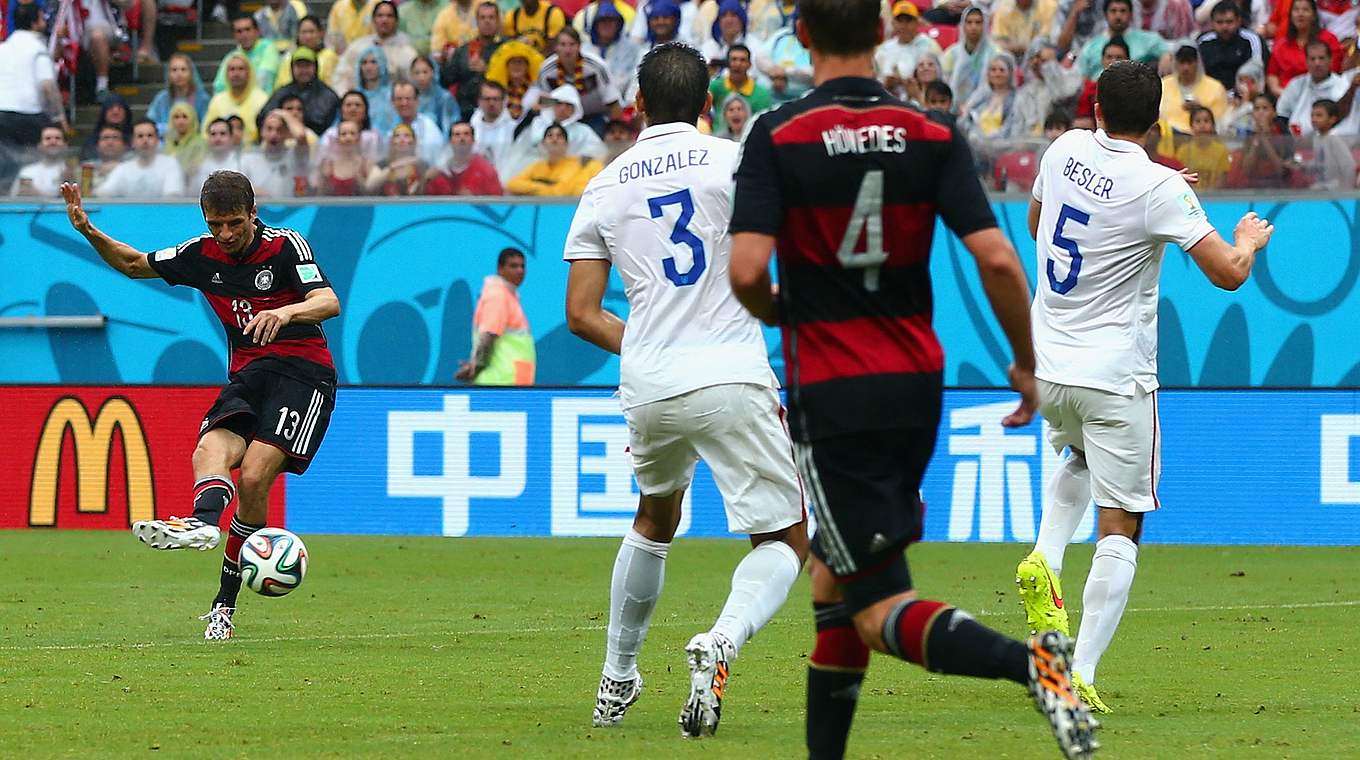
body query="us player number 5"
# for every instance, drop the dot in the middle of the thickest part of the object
(289, 418)
(1065, 215)
(866, 220)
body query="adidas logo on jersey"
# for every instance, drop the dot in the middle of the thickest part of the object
(217, 278)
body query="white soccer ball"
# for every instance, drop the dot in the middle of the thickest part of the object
(273, 561)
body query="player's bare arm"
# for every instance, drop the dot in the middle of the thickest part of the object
(749, 271)
(115, 253)
(587, 318)
(1008, 291)
(317, 306)
(1227, 266)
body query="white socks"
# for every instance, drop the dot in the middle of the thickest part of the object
(1066, 498)
(1107, 593)
(639, 571)
(760, 584)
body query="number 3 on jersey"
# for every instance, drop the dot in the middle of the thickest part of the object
(681, 235)
(1077, 216)
(866, 221)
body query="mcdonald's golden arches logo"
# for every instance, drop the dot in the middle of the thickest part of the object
(93, 441)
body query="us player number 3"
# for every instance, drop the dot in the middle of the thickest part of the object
(866, 221)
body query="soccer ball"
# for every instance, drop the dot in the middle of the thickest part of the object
(273, 561)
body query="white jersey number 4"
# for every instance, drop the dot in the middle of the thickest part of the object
(866, 220)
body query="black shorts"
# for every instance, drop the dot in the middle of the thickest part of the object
(285, 412)
(865, 493)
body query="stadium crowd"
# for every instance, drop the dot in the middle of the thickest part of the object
(532, 97)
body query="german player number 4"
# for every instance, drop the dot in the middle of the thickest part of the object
(681, 235)
(866, 221)
(1061, 287)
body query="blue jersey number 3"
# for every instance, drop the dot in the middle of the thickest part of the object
(1067, 213)
(680, 235)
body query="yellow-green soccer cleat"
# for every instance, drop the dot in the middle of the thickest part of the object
(1087, 693)
(1041, 595)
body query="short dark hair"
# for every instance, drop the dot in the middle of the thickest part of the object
(219, 120)
(235, 119)
(389, 4)
(315, 19)
(570, 31)
(673, 79)
(506, 254)
(940, 89)
(227, 191)
(1130, 97)
(26, 16)
(1126, 3)
(145, 120)
(1058, 117)
(1269, 96)
(734, 48)
(1226, 6)
(1328, 105)
(113, 128)
(1116, 41)
(556, 126)
(1186, 54)
(493, 84)
(1197, 110)
(841, 27)
(1317, 42)
(243, 16)
(289, 98)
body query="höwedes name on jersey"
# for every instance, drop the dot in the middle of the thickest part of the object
(875, 138)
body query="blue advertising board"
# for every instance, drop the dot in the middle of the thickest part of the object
(1239, 467)
(408, 275)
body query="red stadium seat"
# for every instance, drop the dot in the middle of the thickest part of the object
(944, 35)
(1015, 170)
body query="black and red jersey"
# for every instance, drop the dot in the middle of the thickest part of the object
(849, 180)
(276, 269)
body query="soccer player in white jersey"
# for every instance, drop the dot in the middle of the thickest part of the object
(1101, 214)
(694, 381)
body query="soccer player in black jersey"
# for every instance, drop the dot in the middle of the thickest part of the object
(271, 296)
(848, 182)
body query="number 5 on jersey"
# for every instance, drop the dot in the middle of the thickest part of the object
(681, 235)
(1077, 216)
(866, 221)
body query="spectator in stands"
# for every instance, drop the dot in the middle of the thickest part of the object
(732, 118)
(310, 36)
(110, 149)
(766, 18)
(182, 85)
(896, 57)
(1268, 152)
(320, 104)
(29, 98)
(262, 56)
(373, 81)
(465, 69)
(1333, 165)
(1046, 83)
(927, 71)
(343, 168)
(663, 21)
(394, 45)
(1057, 124)
(1289, 56)
(1205, 154)
(619, 136)
(402, 172)
(1016, 24)
(1171, 19)
(587, 74)
(560, 173)
(347, 21)
(418, 20)
(276, 169)
(989, 113)
(1152, 142)
(563, 108)
(1240, 118)
(1145, 46)
(1296, 104)
(294, 113)
(184, 140)
(98, 37)
(434, 101)
(1228, 47)
(457, 25)
(1077, 22)
(515, 66)
(534, 23)
(939, 100)
(238, 131)
(148, 173)
(965, 62)
(738, 81)
(608, 42)
(43, 178)
(354, 108)
(787, 64)
(465, 172)
(1188, 89)
(728, 30)
(222, 155)
(491, 124)
(242, 98)
(1085, 115)
(278, 22)
(406, 104)
(115, 113)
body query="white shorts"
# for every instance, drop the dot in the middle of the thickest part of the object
(738, 429)
(1119, 435)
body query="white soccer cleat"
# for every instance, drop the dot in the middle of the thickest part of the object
(219, 623)
(613, 699)
(708, 657)
(177, 533)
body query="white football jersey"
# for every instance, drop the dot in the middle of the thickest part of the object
(1108, 211)
(659, 213)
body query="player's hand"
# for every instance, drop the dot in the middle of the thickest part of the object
(1022, 382)
(264, 327)
(1253, 230)
(465, 372)
(1191, 177)
(74, 211)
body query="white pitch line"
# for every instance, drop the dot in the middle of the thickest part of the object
(580, 628)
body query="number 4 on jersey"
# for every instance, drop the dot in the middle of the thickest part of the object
(866, 222)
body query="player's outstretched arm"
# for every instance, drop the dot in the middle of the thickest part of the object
(749, 272)
(587, 318)
(1227, 266)
(116, 254)
(1008, 291)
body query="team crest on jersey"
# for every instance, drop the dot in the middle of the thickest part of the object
(264, 279)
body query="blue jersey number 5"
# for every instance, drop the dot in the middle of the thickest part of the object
(1067, 244)
(680, 235)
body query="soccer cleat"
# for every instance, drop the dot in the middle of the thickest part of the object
(613, 699)
(708, 657)
(1041, 595)
(1050, 658)
(177, 533)
(1087, 693)
(219, 623)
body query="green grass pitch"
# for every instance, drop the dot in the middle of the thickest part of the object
(403, 647)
